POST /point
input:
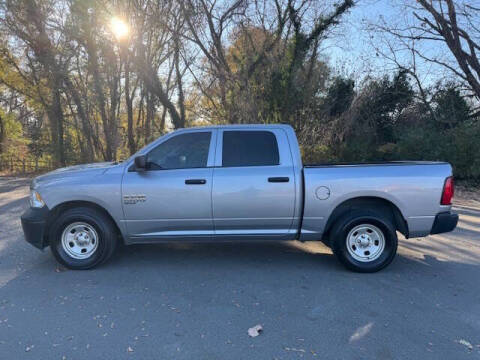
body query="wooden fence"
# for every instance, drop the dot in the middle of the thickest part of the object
(13, 165)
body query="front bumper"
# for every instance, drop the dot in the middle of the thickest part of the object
(444, 222)
(34, 224)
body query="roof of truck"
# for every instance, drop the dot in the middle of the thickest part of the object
(238, 126)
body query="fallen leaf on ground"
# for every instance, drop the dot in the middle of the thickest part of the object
(466, 343)
(255, 331)
(294, 349)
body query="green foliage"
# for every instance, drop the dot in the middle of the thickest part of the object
(317, 154)
(366, 130)
(451, 108)
(449, 134)
(387, 99)
(12, 141)
(12, 130)
(340, 95)
(39, 141)
(458, 145)
(386, 122)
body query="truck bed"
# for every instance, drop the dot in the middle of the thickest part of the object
(413, 187)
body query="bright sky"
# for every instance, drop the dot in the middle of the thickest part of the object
(352, 50)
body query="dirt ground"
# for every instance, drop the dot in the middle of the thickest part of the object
(467, 196)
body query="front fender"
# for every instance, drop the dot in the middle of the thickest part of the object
(103, 190)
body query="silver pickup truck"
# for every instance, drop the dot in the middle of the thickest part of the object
(235, 183)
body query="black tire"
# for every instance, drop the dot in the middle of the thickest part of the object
(340, 232)
(104, 227)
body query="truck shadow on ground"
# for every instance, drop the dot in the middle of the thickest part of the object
(313, 257)
(225, 257)
(261, 263)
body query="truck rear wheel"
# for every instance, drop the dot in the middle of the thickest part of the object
(364, 241)
(82, 238)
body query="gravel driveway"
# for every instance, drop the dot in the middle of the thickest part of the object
(184, 301)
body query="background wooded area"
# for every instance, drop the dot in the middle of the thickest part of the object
(85, 80)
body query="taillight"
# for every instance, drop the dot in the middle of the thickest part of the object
(448, 190)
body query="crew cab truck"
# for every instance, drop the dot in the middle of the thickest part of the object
(236, 183)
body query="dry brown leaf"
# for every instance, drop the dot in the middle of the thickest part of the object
(255, 331)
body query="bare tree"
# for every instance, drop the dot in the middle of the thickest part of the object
(152, 51)
(443, 24)
(432, 23)
(242, 39)
(27, 20)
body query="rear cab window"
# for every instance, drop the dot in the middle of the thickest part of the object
(249, 148)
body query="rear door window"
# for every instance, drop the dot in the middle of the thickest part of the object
(249, 148)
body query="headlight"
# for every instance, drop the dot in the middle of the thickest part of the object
(36, 200)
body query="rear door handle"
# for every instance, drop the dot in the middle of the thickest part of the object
(195, 181)
(278, 179)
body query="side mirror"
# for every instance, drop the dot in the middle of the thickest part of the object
(141, 163)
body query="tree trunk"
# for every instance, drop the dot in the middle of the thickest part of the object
(2, 134)
(181, 96)
(86, 126)
(100, 97)
(153, 85)
(128, 102)
(149, 118)
(55, 115)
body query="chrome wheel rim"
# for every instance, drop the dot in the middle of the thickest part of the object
(79, 240)
(365, 242)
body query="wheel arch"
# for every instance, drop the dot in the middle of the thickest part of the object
(60, 208)
(368, 202)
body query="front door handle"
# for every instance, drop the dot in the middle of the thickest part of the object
(195, 182)
(278, 179)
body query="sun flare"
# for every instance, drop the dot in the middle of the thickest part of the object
(119, 27)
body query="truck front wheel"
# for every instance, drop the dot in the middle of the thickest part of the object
(364, 241)
(82, 238)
